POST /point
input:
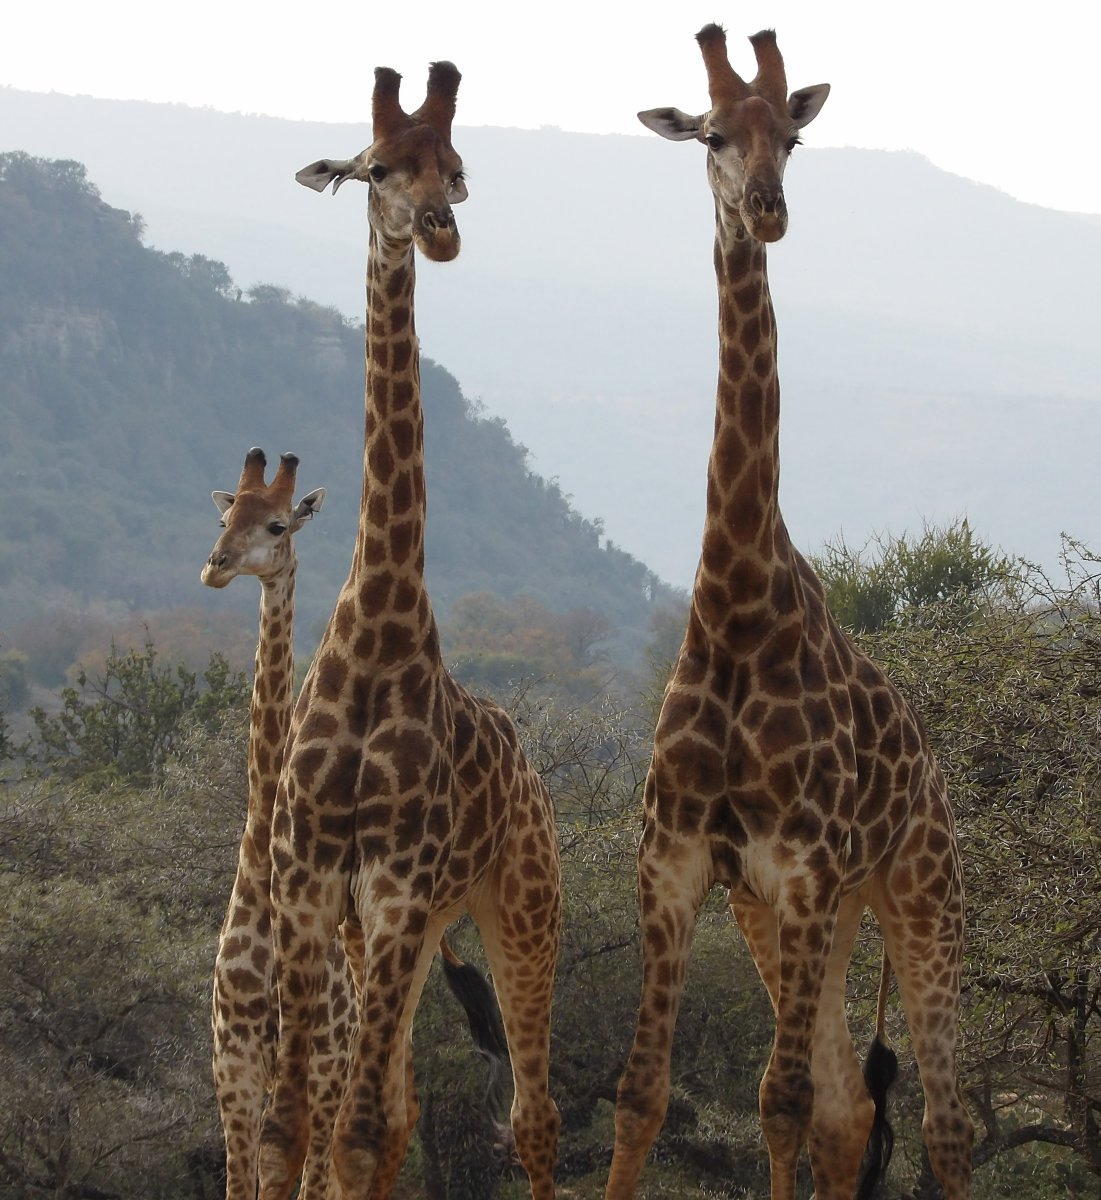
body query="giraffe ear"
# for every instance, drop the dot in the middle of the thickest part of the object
(320, 174)
(308, 505)
(671, 123)
(222, 500)
(805, 104)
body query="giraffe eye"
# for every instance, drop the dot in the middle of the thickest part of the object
(714, 141)
(377, 172)
(277, 529)
(793, 142)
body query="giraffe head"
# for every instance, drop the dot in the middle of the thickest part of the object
(411, 168)
(259, 520)
(750, 131)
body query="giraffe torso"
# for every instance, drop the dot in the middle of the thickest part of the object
(408, 773)
(795, 750)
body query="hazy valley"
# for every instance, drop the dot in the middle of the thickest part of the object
(936, 336)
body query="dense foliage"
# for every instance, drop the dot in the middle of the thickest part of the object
(112, 889)
(132, 382)
(125, 723)
(1010, 694)
(874, 587)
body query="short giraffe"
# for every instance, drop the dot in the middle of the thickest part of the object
(403, 799)
(260, 522)
(786, 767)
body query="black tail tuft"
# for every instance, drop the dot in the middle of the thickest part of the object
(880, 1071)
(483, 1017)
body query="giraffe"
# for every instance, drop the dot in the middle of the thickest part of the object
(403, 800)
(787, 768)
(260, 521)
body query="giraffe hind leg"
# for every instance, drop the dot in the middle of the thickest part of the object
(925, 946)
(521, 944)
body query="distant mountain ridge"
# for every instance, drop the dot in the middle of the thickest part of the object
(936, 336)
(132, 382)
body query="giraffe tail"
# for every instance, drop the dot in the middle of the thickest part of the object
(483, 1017)
(880, 1070)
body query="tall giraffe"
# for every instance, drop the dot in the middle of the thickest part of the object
(786, 768)
(403, 799)
(260, 522)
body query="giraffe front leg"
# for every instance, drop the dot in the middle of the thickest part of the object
(400, 1101)
(671, 887)
(285, 1133)
(843, 1111)
(243, 1026)
(372, 1128)
(240, 1084)
(805, 928)
(333, 1037)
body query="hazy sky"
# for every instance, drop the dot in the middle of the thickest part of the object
(1001, 93)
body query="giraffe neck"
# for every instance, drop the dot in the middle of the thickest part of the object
(388, 563)
(272, 700)
(745, 578)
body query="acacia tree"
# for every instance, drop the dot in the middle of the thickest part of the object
(124, 721)
(892, 576)
(1010, 695)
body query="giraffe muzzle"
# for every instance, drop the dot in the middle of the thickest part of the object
(217, 571)
(765, 213)
(437, 235)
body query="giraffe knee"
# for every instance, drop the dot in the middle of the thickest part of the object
(641, 1104)
(787, 1100)
(839, 1133)
(949, 1138)
(278, 1168)
(354, 1163)
(535, 1133)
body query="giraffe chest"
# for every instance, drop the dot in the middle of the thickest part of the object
(420, 787)
(758, 764)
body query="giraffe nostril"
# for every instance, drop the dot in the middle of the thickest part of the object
(434, 221)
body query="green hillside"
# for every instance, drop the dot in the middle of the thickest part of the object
(132, 382)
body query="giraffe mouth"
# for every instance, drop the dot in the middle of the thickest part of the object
(769, 226)
(216, 577)
(442, 245)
